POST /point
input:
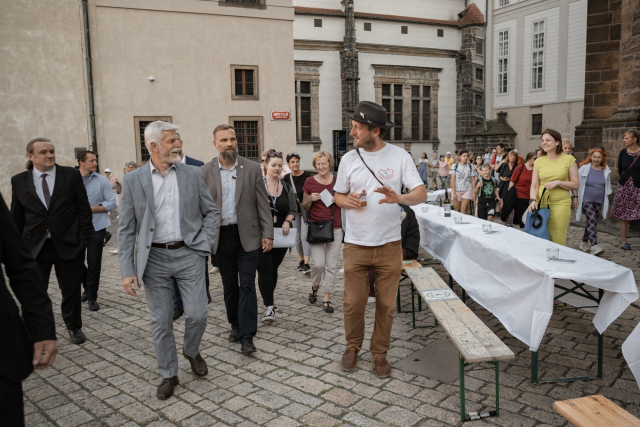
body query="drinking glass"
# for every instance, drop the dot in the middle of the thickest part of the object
(457, 219)
(486, 228)
(553, 253)
(425, 209)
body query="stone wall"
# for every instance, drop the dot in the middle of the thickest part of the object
(467, 110)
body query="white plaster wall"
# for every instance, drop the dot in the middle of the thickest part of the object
(330, 101)
(507, 99)
(576, 50)
(446, 94)
(42, 83)
(323, 4)
(419, 35)
(549, 93)
(432, 9)
(332, 28)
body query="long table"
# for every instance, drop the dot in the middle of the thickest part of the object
(508, 274)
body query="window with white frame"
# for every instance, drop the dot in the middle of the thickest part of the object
(503, 61)
(537, 56)
(504, 3)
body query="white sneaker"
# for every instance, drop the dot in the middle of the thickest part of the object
(596, 250)
(371, 299)
(584, 246)
(269, 315)
(342, 271)
(115, 252)
(214, 270)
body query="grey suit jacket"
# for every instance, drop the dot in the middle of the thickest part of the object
(199, 217)
(254, 216)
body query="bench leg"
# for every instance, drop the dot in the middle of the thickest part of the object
(464, 296)
(398, 301)
(599, 356)
(450, 281)
(463, 415)
(413, 306)
(534, 367)
(497, 388)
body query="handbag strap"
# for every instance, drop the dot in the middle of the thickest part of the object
(333, 193)
(522, 167)
(627, 170)
(541, 196)
(295, 192)
(367, 166)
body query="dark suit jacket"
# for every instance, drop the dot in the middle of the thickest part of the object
(193, 162)
(26, 283)
(68, 219)
(252, 206)
(410, 231)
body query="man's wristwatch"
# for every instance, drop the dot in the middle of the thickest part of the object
(497, 199)
(289, 221)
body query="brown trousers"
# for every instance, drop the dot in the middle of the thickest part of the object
(386, 261)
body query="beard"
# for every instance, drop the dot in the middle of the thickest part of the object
(170, 158)
(229, 155)
(367, 143)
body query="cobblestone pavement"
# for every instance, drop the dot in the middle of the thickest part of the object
(295, 378)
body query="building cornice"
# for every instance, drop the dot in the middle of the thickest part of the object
(375, 48)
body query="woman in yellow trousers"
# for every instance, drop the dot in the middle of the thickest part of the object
(558, 174)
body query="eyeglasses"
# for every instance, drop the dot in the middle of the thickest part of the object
(274, 154)
(290, 155)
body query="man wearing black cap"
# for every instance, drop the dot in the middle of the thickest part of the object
(378, 171)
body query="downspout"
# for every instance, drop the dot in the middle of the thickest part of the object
(87, 49)
(484, 68)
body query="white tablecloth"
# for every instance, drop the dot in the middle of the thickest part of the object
(436, 196)
(508, 273)
(631, 353)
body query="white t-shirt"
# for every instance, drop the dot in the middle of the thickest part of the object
(463, 176)
(376, 224)
(487, 158)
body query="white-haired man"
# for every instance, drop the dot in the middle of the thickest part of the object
(167, 206)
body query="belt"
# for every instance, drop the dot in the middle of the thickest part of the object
(170, 246)
(230, 227)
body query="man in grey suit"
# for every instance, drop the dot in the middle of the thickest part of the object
(167, 205)
(246, 227)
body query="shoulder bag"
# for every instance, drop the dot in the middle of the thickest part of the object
(537, 221)
(510, 197)
(322, 231)
(302, 212)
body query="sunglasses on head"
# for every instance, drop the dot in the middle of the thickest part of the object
(291, 155)
(274, 154)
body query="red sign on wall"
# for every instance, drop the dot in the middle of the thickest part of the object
(281, 115)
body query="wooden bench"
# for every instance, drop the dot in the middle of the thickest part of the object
(403, 276)
(595, 411)
(475, 342)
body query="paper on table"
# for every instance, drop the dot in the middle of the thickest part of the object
(326, 197)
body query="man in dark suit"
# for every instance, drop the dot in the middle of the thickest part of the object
(23, 348)
(178, 309)
(245, 228)
(51, 210)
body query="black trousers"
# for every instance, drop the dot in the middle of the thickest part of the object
(69, 275)
(519, 208)
(239, 297)
(268, 263)
(11, 403)
(91, 274)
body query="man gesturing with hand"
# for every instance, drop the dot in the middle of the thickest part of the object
(373, 236)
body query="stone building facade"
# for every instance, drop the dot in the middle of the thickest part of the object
(612, 78)
(195, 63)
(498, 131)
(402, 54)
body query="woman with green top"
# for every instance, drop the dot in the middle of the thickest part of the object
(558, 174)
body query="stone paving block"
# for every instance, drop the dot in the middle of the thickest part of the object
(283, 421)
(341, 396)
(257, 414)
(399, 416)
(236, 403)
(227, 416)
(139, 412)
(75, 419)
(268, 399)
(295, 410)
(308, 385)
(319, 419)
(40, 393)
(368, 407)
(199, 420)
(179, 411)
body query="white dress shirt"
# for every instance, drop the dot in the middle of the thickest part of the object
(166, 199)
(37, 182)
(228, 214)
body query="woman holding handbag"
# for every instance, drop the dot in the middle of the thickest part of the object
(557, 173)
(297, 178)
(521, 180)
(282, 202)
(626, 205)
(325, 229)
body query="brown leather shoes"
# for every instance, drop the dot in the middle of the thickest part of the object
(165, 389)
(350, 358)
(381, 367)
(198, 365)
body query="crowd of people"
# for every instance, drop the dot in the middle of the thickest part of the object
(546, 178)
(175, 212)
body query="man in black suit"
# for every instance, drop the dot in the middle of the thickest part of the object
(51, 210)
(23, 348)
(178, 309)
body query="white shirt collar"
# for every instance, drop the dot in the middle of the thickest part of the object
(184, 159)
(221, 167)
(37, 174)
(153, 168)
